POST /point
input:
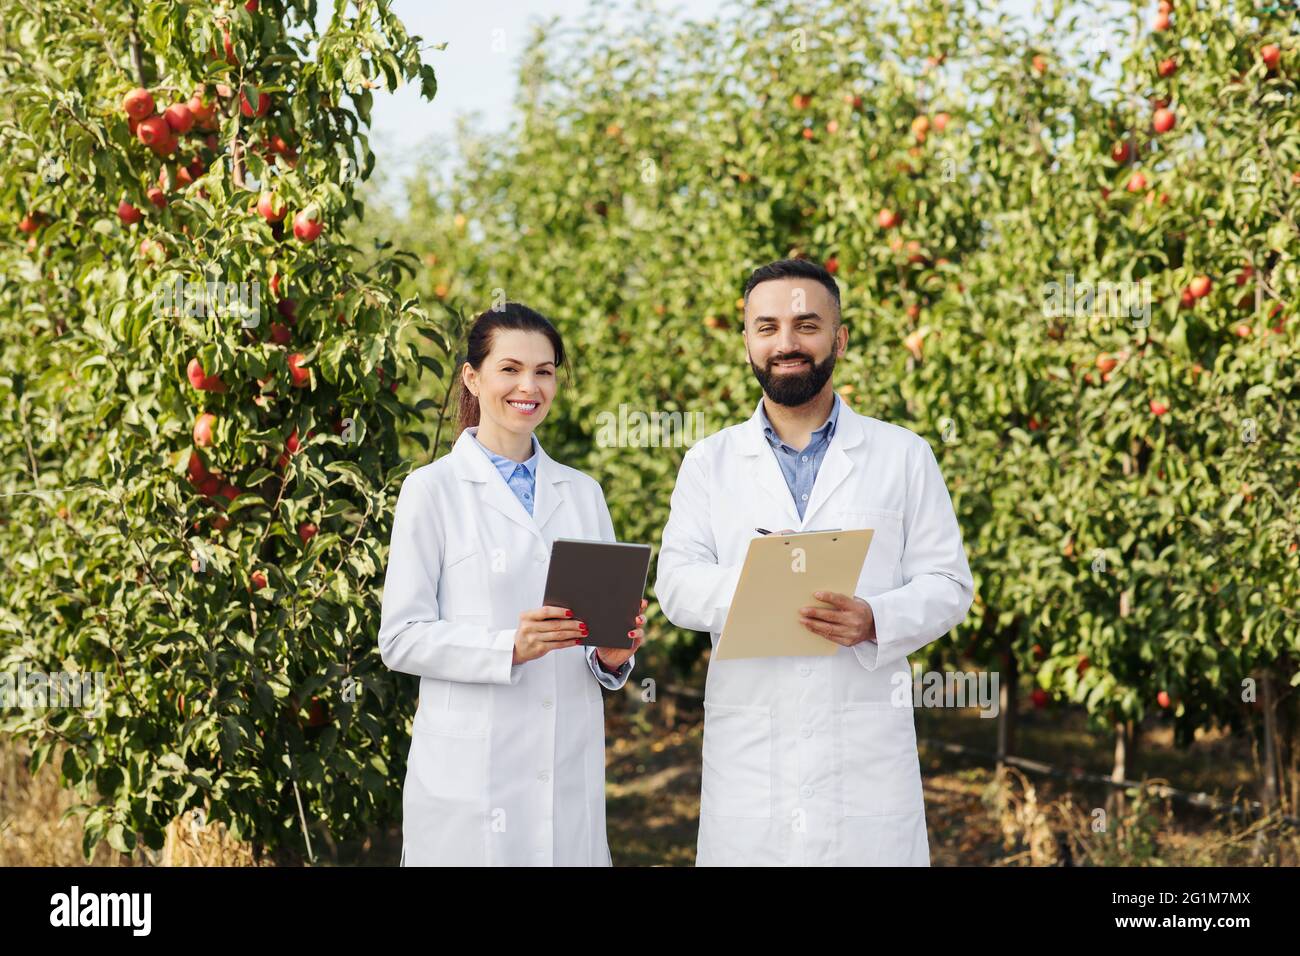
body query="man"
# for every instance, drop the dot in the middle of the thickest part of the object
(806, 760)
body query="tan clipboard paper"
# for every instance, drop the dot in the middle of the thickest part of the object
(779, 576)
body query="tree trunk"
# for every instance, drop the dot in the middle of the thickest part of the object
(1007, 701)
(1126, 741)
(1264, 851)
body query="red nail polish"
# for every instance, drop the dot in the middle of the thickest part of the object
(631, 633)
(568, 613)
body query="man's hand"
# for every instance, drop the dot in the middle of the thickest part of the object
(848, 622)
(613, 657)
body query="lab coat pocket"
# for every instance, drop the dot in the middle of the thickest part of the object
(882, 571)
(881, 772)
(737, 778)
(447, 786)
(462, 579)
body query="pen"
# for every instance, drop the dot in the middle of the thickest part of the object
(762, 531)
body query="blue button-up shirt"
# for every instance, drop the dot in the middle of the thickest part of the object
(521, 478)
(800, 467)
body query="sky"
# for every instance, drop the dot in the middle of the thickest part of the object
(478, 68)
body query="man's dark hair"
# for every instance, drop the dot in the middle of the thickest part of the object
(795, 269)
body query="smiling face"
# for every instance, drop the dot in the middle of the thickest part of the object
(515, 384)
(792, 338)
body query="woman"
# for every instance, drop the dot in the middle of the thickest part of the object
(507, 759)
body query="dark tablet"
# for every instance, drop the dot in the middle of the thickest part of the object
(602, 583)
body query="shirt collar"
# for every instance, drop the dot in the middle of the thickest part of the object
(507, 465)
(827, 428)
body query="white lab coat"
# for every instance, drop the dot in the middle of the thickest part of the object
(507, 761)
(806, 761)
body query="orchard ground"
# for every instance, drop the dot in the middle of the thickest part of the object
(653, 788)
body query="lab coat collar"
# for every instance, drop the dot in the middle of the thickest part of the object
(836, 466)
(472, 465)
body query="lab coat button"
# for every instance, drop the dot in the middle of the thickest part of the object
(547, 703)
(805, 791)
(804, 670)
(544, 777)
(805, 731)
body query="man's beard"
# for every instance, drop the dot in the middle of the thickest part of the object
(794, 388)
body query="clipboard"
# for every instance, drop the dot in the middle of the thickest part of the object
(602, 582)
(779, 576)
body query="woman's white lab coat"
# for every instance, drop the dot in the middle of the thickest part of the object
(507, 762)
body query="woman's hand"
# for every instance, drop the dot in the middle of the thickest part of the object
(614, 657)
(544, 630)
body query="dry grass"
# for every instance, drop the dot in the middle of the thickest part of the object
(38, 827)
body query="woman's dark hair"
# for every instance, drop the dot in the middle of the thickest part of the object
(511, 315)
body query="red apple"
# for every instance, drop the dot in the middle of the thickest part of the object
(1163, 120)
(263, 104)
(306, 531)
(202, 111)
(887, 219)
(1158, 408)
(300, 376)
(204, 383)
(271, 207)
(1243, 331)
(196, 469)
(203, 429)
(179, 118)
(258, 580)
(1039, 698)
(306, 229)
(138, 103)
(153, 129)
(941, 122)
(1120, 153)
(280, 334)
(291, 444)
(1200, 286)
(1271, 54)
(1167, 68)
(1161, 22)
(157, 196)
(1083, 665)
(832, 265)
(1039, 63)
(1106, 363)
(1136, 183)
(1163, 699)
(164, 147)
